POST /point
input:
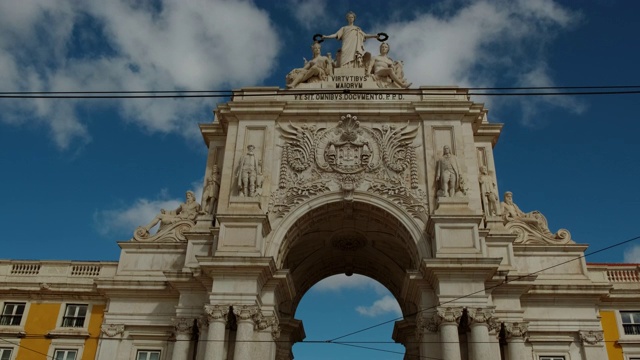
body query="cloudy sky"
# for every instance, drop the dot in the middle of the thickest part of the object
(79, 175)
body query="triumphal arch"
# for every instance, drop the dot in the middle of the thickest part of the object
(352, 169)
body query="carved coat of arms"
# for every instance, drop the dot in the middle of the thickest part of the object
(346, 157)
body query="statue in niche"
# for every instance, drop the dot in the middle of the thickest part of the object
(210, 192)
(189, 210)
(352, 51)
(530, 227)
(315, 70)
(448, 175)
(249, 173)
(489, 193)
(386, 71)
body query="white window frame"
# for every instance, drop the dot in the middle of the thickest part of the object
(75, 316)
(11, 349)
(22, 316)
(56, 351)
(621, 323)
(148, 351)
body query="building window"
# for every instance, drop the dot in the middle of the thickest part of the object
(551, 357)
(148, 355)
(65, 354)
(74, 316)
(630, 322)
(5, 354)
(12, 314)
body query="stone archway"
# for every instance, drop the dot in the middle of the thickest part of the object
(349, 237)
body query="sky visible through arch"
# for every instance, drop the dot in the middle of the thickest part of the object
(79, 175)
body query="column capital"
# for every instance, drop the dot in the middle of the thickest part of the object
(245, 312)
(427, 321)
(449, 314)
(263, 322)
(591, 337)
(216, 313)
(516, 330)
(483, 316)
(183, 325)
(112, 330)
(203, 323)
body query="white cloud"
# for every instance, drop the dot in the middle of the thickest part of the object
(632, 255)
(480, 42)
(308, 12)
(387, 304)
(355, 281)
(123, 45)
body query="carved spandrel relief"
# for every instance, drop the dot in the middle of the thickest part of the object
(530, 227)
(173, 224)
(249, 174)
(346, 157)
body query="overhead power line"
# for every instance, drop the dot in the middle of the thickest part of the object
(477, 91)
(506, 281)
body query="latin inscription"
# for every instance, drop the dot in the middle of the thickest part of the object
(338, 97)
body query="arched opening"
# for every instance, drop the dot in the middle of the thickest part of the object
(347, 238)
(339, 305)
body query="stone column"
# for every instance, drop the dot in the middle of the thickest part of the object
(479, 347)
(244, 335)
(203, 329)
(448, 319)
(515, 340)
(183, 331)
(427, 336)
(217, 318)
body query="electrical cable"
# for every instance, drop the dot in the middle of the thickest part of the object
(506, 281)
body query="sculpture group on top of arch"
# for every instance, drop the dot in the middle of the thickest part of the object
(348, 156)
(383, 71)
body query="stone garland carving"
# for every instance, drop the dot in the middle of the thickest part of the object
(378, 160)
(531, 227)
(112, 330)
(591, 337)
(183, 325)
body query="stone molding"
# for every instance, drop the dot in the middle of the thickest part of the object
(591, 337)
(112, 330)
(183, 326)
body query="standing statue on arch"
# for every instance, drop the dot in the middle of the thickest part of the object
(448, 177)
(353, 38)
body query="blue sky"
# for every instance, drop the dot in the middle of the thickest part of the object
(79, 175)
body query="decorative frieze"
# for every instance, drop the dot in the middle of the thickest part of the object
(112, 330)
(591, 337)
(183, 326)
